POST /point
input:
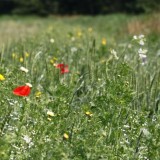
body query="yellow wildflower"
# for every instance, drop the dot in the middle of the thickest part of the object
(50, 28)
(89, 114)
(102, 60)
(21, 59)
(49, 119)
(14, 55)
(79, 33)
(104, 41)
(53, 60)
(2, 77)
(65, 136)
(27, 54)
(38, 94)
(90, 29)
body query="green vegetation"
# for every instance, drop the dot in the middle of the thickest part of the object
(106, 107)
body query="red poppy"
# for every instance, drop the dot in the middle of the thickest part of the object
(60, 65)
(22, 91)
(64, 70)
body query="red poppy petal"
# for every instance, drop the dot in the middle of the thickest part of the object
(22, 91)
(60, 65)
(64, 70)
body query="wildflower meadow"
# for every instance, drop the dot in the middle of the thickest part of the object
(80, 88)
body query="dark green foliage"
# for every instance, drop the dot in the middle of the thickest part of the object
(46, 7)
(148, 5)
(6, 6)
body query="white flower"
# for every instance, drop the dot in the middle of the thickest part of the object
(73, 39)
(141, 36)
(140, 39)
(52, 40)
(141, 42)
(27, 139)
(73, 49)
(145, 132)
(158, 52)
(24, 69)
(50, 113)
(28, 84)
(135, 37)
(129, 46)
(143, 57)
(142, 51)
(114, 54)
(126, 126)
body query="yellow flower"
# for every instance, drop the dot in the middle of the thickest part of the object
(53, 60)
(14, 55)
(104, 41)
(27, 54)
(90, 29)
(102, 60)
(50, 28)
(21, 59)
(38, 94)
(50, 113)
(79, 33)
(49, 119)
(2, 77)
(65, 136)
(89, 114)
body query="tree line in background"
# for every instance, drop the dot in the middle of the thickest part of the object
(91, 7)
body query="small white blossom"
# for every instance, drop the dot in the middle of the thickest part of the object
(52, 40)
(135, 37)
(142, 56)
(129, 46)
(28, 84)
(158, 52)
(74, 49)
(24, 69)
(73, 39)
(114, 53)
(27, 139)
(126, 126)
(50, 113)
(140, 39)
(145, 132)
(141, 36)
(141, 42)
(142, 51)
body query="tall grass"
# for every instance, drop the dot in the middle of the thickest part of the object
(106, 107)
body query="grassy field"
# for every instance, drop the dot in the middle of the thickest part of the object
(95, 91)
